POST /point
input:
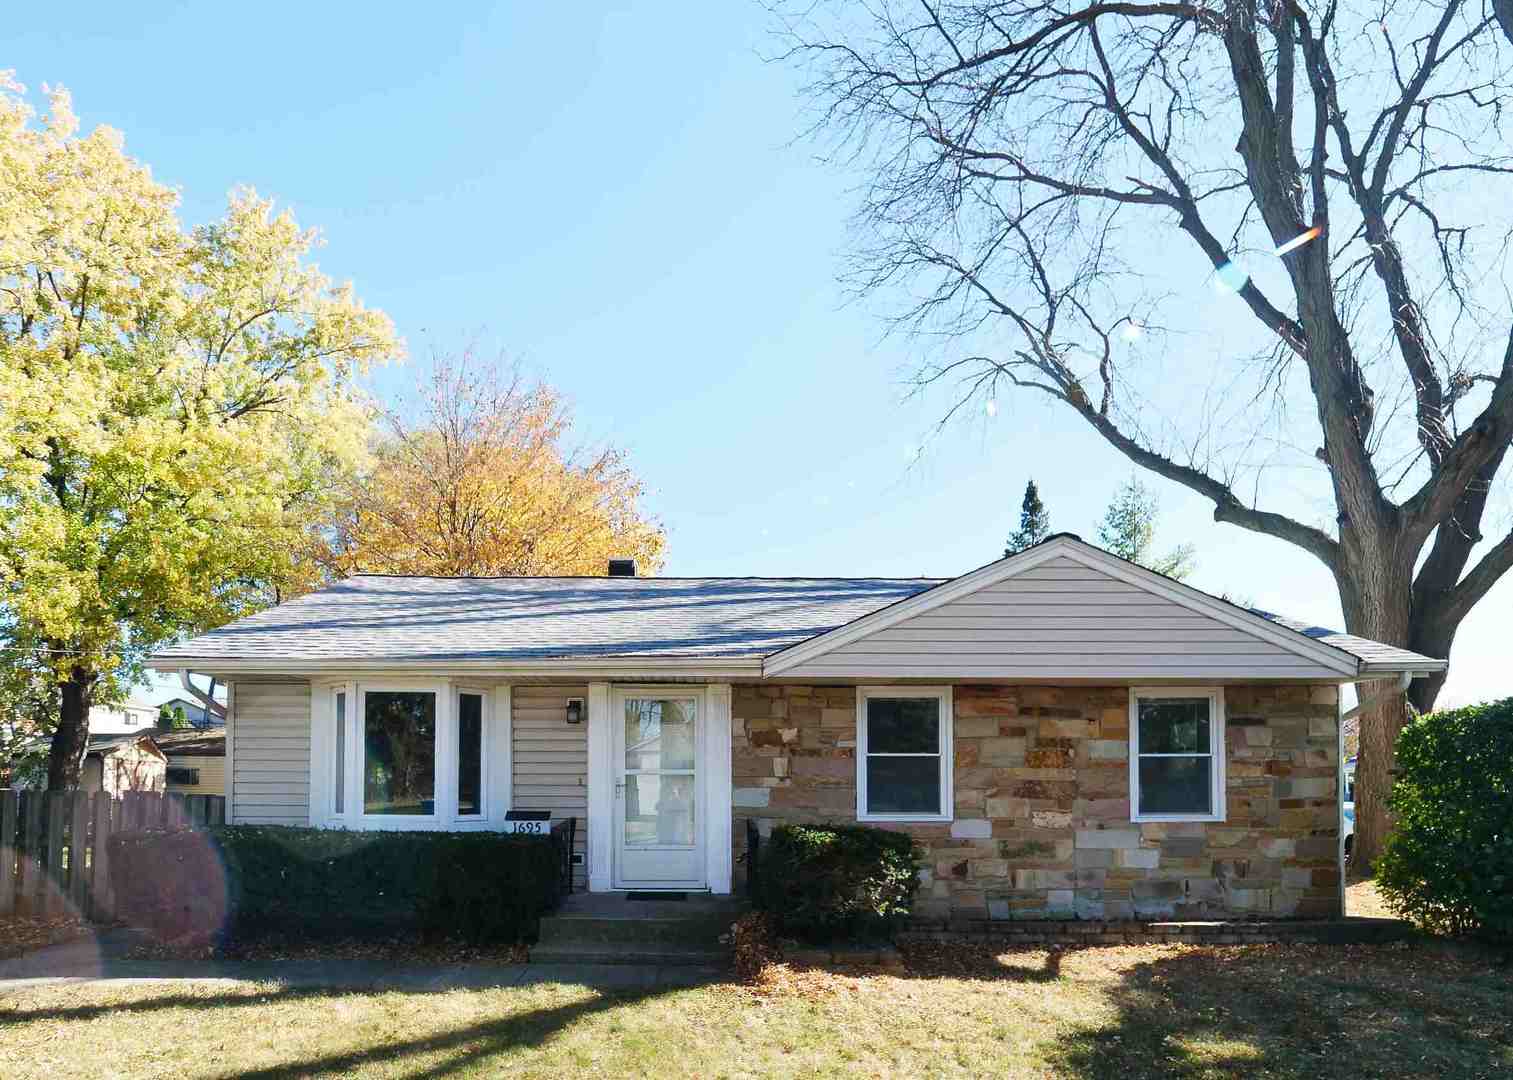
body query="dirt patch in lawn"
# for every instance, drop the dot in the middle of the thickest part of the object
(1363, 900)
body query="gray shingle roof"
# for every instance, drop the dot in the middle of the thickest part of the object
(374, 618)
(1364, 649)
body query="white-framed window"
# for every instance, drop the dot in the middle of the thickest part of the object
(903, 753)
(1176, 753)
(472, 750)
(410, 755)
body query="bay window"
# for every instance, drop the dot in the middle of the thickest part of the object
(1177, 754)
(903, 753)
(391, 755)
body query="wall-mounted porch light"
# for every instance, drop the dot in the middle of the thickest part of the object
(575, 710)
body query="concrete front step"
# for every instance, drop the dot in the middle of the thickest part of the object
(703, 930)
(590, 927)
(646, 956)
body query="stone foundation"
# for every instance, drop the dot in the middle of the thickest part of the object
(1042, 826)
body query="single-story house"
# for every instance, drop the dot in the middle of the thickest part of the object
(1066, 733)
(196, 761)
(116, 764)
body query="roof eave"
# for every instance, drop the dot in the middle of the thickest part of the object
(554, 666)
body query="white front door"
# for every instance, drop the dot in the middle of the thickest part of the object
(658, 799)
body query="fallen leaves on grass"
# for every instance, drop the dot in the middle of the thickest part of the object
(396, 950)
(21, 934)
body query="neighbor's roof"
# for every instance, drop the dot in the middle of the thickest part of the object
(109, 744)
(207, 742)
(375, 618)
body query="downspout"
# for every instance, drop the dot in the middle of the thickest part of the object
(1404, 678)
(212, 707)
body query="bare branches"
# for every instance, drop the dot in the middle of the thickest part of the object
(1339, 166)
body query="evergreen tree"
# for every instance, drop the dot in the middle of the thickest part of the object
(1034, 522)
(1128, 530)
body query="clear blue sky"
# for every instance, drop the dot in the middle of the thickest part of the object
(612, 195)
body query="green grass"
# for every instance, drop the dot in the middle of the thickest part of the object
(1310, 1012)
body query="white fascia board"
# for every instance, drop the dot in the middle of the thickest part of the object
(1186, 596)
(620, 667)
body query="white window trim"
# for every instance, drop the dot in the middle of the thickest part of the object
(495, 766)
(1216, 745)
(947, 751)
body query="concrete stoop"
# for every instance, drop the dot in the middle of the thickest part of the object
(607, 928)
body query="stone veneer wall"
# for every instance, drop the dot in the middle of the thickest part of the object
(1042, 826)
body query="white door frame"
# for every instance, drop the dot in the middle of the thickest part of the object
(712, 773)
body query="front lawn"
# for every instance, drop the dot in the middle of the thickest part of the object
(1157, 1011)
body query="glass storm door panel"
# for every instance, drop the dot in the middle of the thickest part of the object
(658, 811)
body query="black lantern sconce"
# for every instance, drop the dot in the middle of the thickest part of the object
(575, 710)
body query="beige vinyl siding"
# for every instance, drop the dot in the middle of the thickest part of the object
(549, 759)
(1061, 619)
(212, 775)
(270, 755)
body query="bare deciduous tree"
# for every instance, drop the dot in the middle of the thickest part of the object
(1049, 183)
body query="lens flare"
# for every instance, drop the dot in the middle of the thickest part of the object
(1298, 241)
(1231, 276)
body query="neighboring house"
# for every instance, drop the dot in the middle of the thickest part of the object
(196, 761)
(117, 764)
(134, 716)
(1066, 733)
(194, 712)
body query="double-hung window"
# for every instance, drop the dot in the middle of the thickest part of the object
(903, 753)
(1177, 754)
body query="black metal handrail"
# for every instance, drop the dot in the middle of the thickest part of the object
(564, 833)
(752, 857)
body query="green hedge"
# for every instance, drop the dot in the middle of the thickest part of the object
(1448, 863)
(824, 883)
(478, 886)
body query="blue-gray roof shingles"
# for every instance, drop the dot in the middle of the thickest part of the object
(376, 618)
(1363, 649)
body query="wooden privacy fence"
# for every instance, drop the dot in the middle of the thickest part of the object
(53, 857)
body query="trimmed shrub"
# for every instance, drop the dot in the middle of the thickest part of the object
(1448, 864)
(823, 883)
(478, 886)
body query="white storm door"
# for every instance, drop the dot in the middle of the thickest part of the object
(659, 812)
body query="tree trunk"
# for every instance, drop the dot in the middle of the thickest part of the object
(1376, 595)
(65, 760)
(1380, 726)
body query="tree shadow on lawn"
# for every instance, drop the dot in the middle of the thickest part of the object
(981, 963)
(487, 1037)
(1302, 1011)
(467, 1044)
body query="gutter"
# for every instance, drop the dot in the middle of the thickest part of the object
(1401, 687)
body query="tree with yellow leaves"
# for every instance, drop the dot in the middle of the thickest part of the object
(476, 479)
(174, 407)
